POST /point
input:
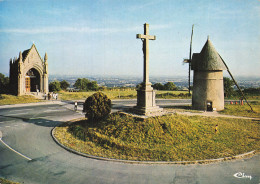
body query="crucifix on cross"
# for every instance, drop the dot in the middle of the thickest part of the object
(146, 104)
(145, 38)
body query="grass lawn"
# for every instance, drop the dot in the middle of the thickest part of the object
(243, 110)
(122, 94)
(10, 99)
(165, 138)
(4, 181)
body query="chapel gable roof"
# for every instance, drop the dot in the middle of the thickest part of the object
(207, 59)
(26, 52)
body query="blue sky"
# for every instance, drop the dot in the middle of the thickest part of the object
(98, 37)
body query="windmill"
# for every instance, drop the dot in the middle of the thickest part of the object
(189, 60)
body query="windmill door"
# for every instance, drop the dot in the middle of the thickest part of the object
(209, 106)
(27, 84)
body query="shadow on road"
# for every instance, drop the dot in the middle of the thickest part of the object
(37, 121)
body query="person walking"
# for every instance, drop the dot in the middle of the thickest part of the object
(45, 96)
(75, 105)
(53, 96)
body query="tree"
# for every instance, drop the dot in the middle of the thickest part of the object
(170, 86)
(138, 86)
(86, 85)
(92, 86)
(252, 91)
(4, 83)
(79, 84)
(64, 85)
(54, 86)
(97, 106)
(102, 88)
(158, 86)
(228, 87)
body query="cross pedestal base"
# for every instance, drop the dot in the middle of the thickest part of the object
(146, 101)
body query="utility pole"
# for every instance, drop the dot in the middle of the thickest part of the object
(190, 55)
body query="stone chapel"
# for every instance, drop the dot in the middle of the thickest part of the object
(29, 73)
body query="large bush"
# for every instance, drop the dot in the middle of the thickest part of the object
(97, 106)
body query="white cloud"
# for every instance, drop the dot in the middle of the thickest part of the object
(51, 30)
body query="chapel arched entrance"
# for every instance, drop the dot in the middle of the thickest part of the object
(32, 81)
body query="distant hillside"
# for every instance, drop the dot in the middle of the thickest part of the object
(132, 81)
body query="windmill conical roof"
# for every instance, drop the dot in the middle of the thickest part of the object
(207, 59)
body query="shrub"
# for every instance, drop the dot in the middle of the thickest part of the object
(97, 106)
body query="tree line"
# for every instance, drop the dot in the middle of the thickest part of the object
(169, 86)
(87, 85)
(83, 84)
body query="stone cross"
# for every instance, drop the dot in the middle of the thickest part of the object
(145, 38)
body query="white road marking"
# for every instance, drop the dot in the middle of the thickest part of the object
(17, 114)
(43, 117)
(7, 122)
(21, 110)
(14, 150)
(7, 126)
(16, 125)
(54, 110)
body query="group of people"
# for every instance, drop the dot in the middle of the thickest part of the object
(51, 96)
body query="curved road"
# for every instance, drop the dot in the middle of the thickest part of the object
(29, 155)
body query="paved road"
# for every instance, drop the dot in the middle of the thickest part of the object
(36, 158)
(129, 103)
